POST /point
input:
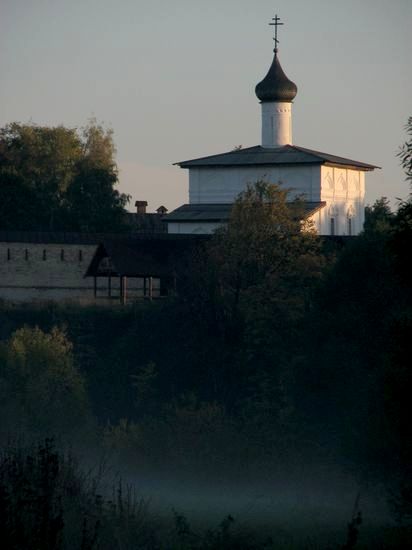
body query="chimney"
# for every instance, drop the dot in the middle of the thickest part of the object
(140, 207)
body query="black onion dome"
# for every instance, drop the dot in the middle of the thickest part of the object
(276, 86)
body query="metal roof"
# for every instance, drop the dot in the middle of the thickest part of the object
(264, 156)
(200, 213)
(276, 86)
(221, 212)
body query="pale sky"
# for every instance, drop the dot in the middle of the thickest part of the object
(175, 79)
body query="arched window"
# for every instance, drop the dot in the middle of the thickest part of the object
(333, 219)
(350, 221)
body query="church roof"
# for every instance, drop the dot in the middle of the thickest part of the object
(221, 212)
(276, 86)
(264, 156)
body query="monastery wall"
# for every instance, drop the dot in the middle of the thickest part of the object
(38, 272)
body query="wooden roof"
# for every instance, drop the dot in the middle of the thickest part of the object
(151, 256)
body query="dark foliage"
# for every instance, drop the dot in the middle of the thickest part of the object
(59, 179)
(195, 382)
(48, 503)
(278, 348)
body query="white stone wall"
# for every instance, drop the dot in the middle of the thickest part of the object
(343, 190)
(344, 193)
(276, 124)
(223, 185)
(36, 272)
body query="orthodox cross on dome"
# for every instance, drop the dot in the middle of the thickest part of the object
(276, 22)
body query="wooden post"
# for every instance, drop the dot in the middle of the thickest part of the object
(124, 290)
(150, 288)
(95, 286)
(144, 287)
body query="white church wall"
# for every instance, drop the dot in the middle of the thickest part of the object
(276, 123)
(343, 189)
(223, 185)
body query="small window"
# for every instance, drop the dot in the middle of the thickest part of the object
(8, 254)
(80, 255)
(26, 254)
(332, 226)
(44, 255)
(62, 255)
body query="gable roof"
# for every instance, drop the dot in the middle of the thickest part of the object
(285, 155)
(151, 255)
(221, 212)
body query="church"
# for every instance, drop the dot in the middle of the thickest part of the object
(106, 269)
(332, 187)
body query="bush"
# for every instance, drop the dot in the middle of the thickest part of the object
(42, 391)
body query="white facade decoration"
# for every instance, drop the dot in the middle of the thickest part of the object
(276, 123)
(343, 190)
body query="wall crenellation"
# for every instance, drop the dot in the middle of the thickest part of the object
(34, 272)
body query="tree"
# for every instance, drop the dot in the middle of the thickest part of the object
(55, 178)
(379, 216)
(252, 288)
(402, 238)
(42, 390)
(267, 256)
(405, 152)
(92, 203)
(38, 163)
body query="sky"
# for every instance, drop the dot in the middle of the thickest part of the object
(175, 79)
